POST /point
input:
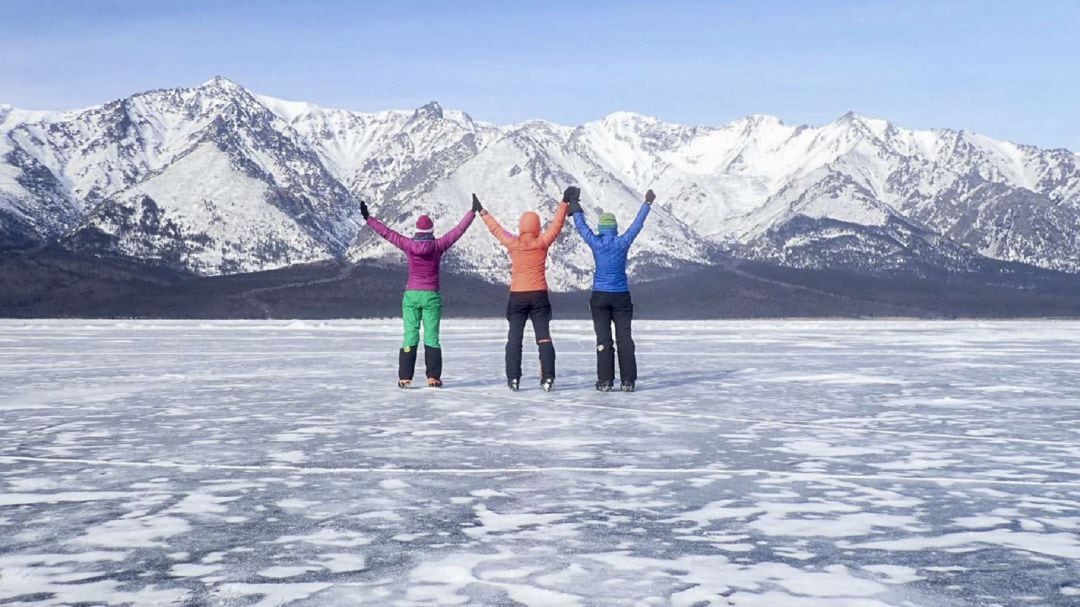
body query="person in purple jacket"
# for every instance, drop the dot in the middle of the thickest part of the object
(422, 303)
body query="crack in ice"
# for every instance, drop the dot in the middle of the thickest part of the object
(810, 425)
(319, 470)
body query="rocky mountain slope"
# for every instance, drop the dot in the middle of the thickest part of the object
(218, 180)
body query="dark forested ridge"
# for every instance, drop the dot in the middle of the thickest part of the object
(56, 283)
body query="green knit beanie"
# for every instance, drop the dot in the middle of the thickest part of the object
(608, 222)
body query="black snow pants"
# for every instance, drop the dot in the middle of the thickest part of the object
(617, 308)
(534, 306)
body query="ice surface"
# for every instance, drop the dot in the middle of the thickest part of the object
(778, 463)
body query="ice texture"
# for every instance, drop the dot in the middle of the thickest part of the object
(795, 463)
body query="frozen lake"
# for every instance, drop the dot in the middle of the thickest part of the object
(765, 464)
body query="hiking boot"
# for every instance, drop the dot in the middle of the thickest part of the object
(605, 385)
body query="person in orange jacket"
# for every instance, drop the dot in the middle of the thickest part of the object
(529, 289)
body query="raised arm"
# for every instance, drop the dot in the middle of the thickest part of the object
(380, 228)
(572, 196)
(552, 232)
(586, 232)
(448, 239)
(639, 222)
(391, 236)
(506, 238)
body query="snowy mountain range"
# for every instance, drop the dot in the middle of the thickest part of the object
(216, 179)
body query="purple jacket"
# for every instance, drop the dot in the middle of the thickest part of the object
(424, 255)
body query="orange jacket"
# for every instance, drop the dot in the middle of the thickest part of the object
(528, 252)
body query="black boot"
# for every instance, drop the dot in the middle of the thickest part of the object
(513, 384)
(605, 385)
(605, 362)
(433, 360)
(406, 364)
(547, 361)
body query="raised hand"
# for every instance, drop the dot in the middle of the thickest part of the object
(572, 194)
(476, 206)
(575, 207)
(649, 197)
(364, 210)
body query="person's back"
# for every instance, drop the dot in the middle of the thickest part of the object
(610, 255)
(423, 255)
(610, 302)
(423, 252)
(421, 304)
(528, 250)
(611, 249)
(528, 299)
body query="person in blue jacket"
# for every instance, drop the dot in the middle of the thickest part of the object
(610, 302)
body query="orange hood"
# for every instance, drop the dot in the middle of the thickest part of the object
(529, 224)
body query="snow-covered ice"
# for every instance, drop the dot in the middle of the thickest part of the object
(765, 463)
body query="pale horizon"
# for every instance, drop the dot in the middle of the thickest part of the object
(991, 68)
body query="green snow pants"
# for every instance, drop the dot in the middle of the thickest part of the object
(421, 307)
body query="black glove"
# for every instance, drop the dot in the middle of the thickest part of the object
(575, 207)
(649, 197)
(476, 206)
(363, 210)
(571, 194)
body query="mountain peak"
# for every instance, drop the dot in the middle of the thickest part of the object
(852, 117)
(221, 83)
(624, 117)
(431, 109)
(13, 116)
(287, 110)
(763, 119)
(853, 121)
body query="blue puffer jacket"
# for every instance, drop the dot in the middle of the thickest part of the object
(609, 250)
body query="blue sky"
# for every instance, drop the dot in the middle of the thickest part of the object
(1007, 69)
